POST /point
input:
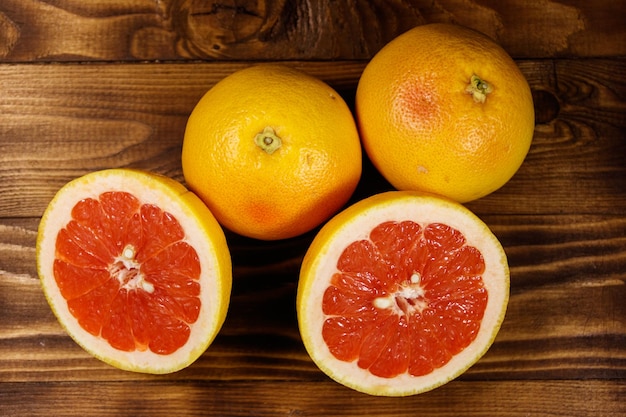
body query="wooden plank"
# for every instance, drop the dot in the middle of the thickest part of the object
(92, 85)
(320, 398)
(73, 30)
(566, 317)
(60, 121)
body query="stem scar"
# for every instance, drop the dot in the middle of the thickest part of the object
(268, 140)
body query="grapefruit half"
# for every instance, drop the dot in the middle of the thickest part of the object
(135, 268)
(401, 293)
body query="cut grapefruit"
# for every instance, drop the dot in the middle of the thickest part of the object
(401, 293)
(135, 268)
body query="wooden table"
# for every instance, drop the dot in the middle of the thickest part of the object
(88, 85)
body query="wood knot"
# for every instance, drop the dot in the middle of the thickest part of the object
(547, 106)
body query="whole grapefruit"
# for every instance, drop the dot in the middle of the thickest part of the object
(444, 109)
(272, 151)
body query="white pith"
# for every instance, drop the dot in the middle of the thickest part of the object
(406, 300)
(128, 271)
(347, 229)
(168, 199)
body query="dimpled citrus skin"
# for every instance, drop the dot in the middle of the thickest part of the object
(424, 131)
(290, 191)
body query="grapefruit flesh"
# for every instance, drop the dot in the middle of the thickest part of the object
(146, 276)
(420, 290)
(119, 260)
(401, 293)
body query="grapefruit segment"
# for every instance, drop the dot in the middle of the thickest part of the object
(400, 293)
(135, 268)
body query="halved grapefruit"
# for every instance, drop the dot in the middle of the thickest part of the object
(135, 268)
(401, 293)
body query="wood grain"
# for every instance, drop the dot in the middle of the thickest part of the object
(103, 116)
(316, 399)
(135, 114)
(566, 317)
(119, 30)
(101, 84)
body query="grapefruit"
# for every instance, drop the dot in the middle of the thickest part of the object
(135, 268)
(272, 151)
(444, 109)
(401, 293)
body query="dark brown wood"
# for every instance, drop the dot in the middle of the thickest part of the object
(139, 30)
(566, 315)
(135, 115)
(315, 399)
(93, 85)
